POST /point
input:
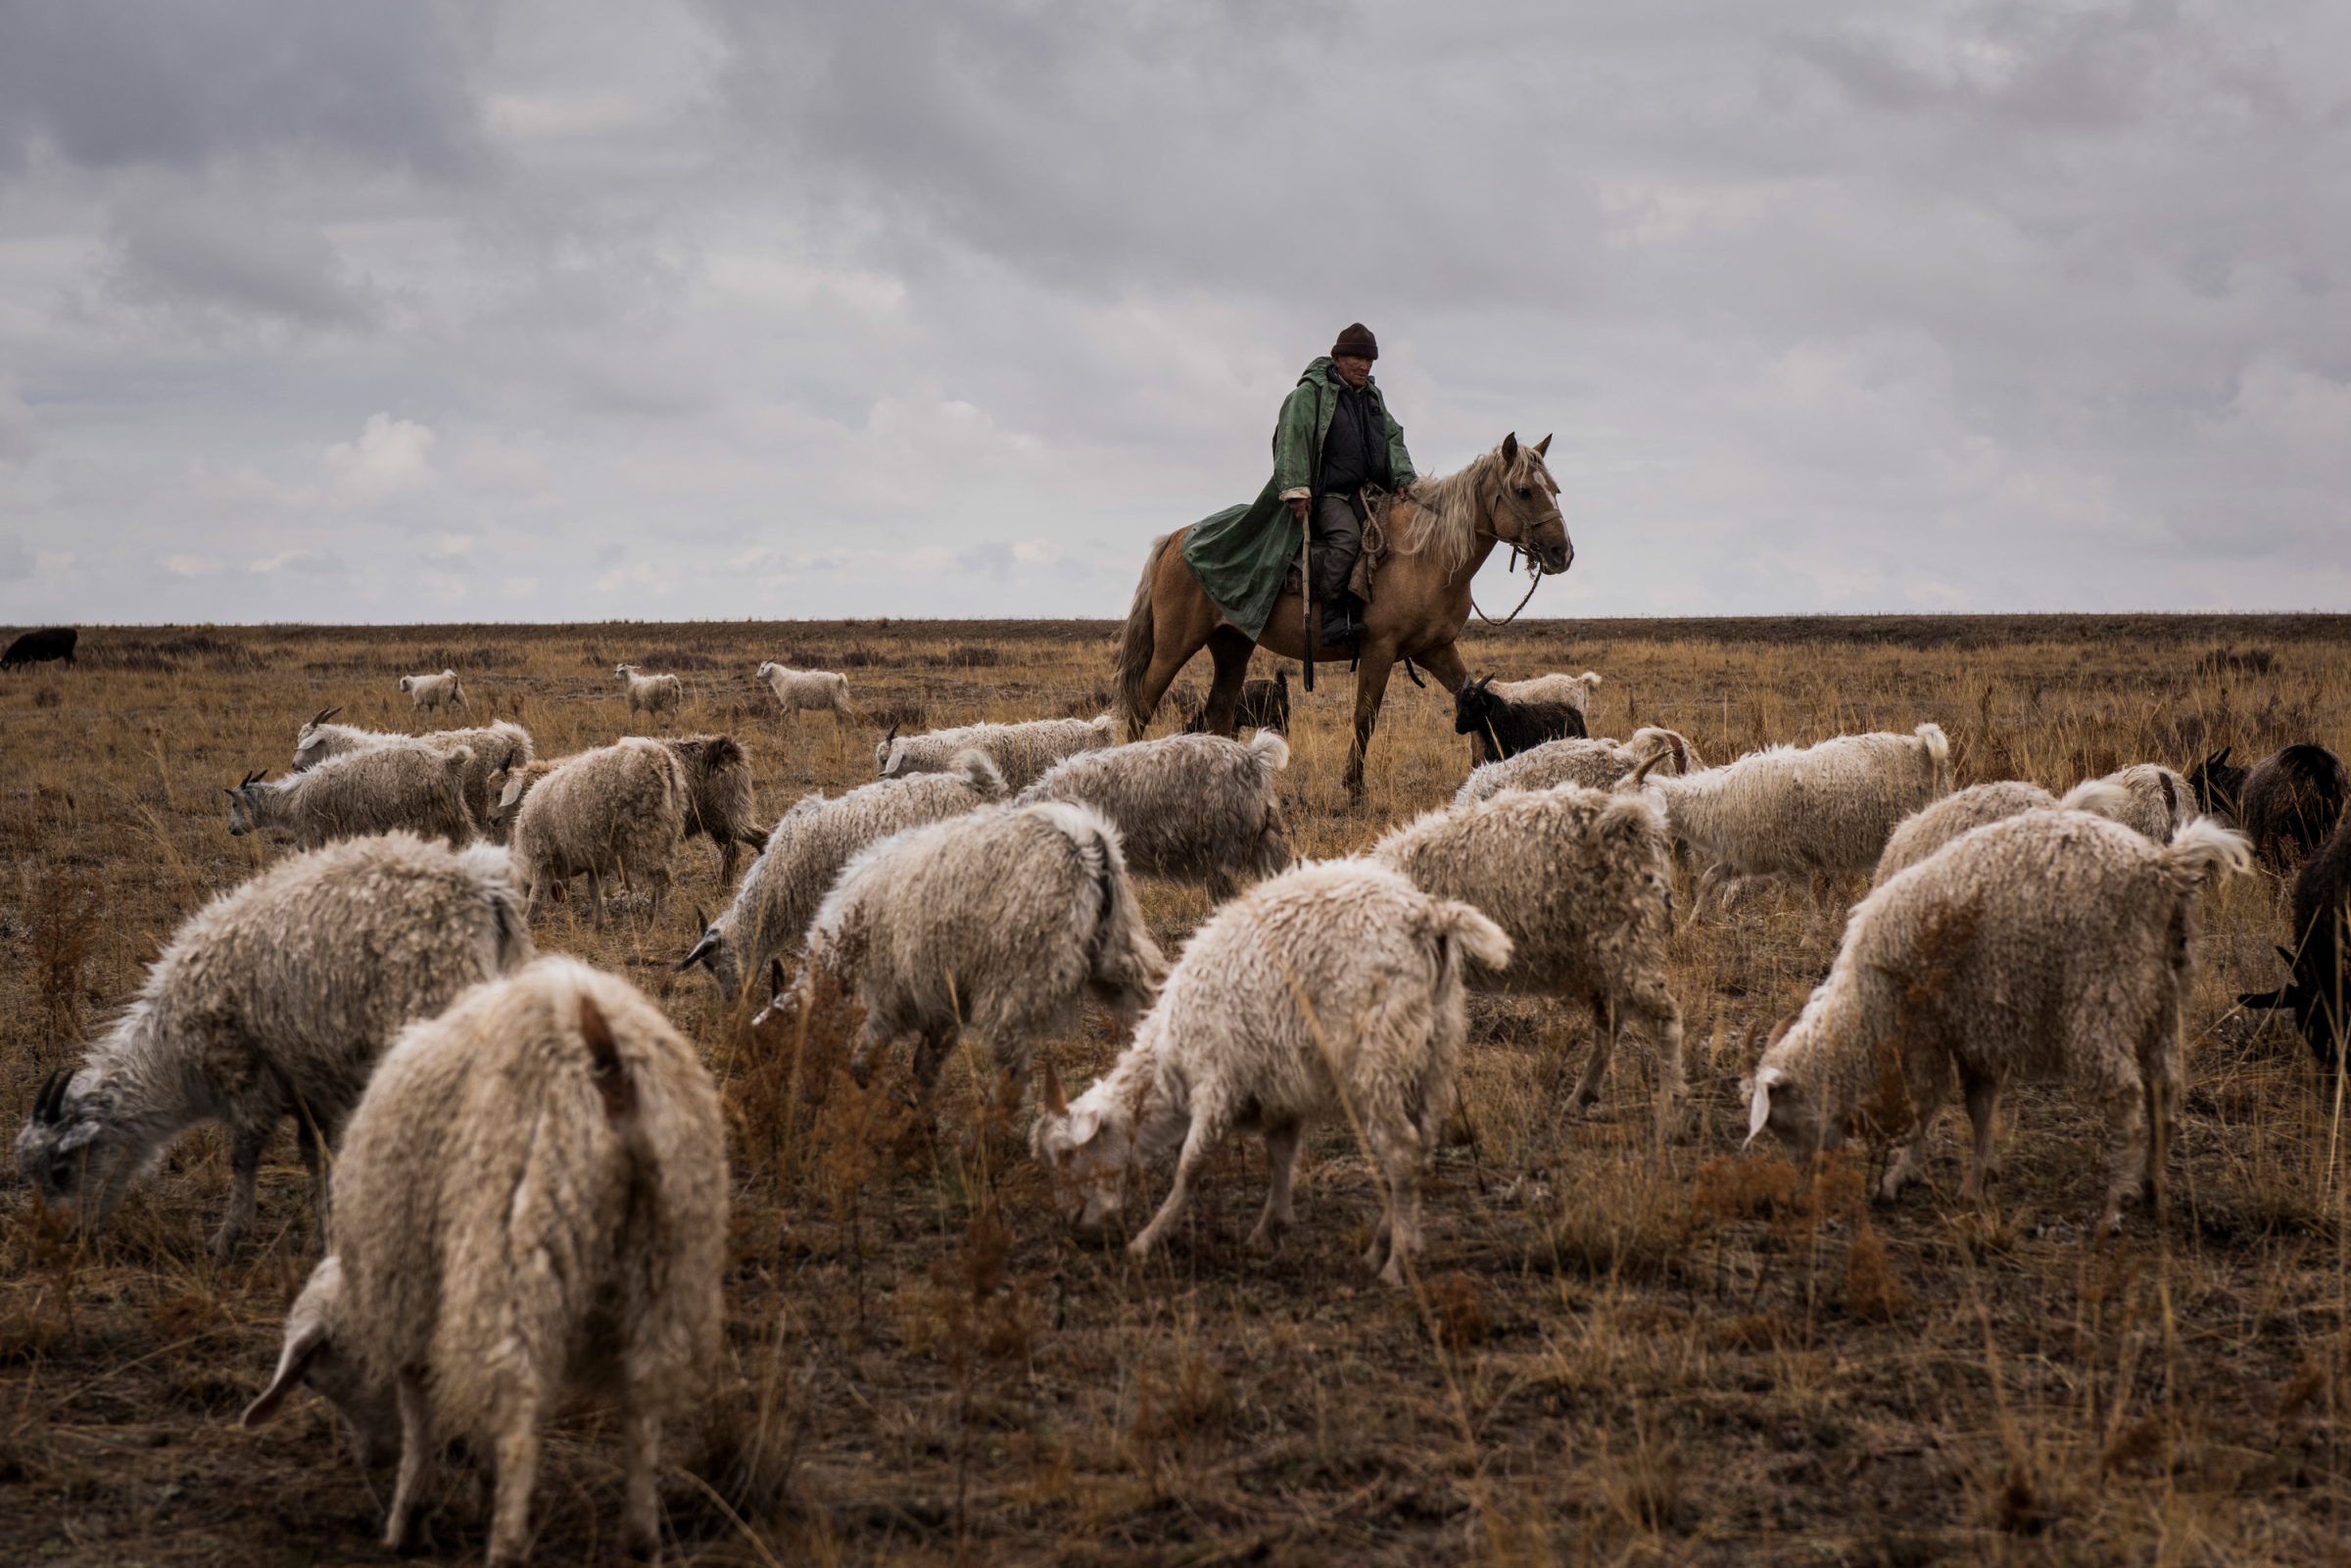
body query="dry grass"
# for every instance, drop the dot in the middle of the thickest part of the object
(1617, 1353)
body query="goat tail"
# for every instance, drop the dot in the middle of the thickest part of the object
(1271, 749)
(606, 1071)
(2102, 797)
(2203, 850)
(1463, 930)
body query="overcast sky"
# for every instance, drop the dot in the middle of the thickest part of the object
(727, 307)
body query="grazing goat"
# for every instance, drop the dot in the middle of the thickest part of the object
(1500, 728)
(806, 691)
(803, 856)
(1821, 811)
(1593, 764)
(1262, 705)
(1573, 689)
(534, 1208)
(1334, 989)
(2161, 802)
(718, 796)
(2054, 944)
(2316, 987)
(662, 694)
(45, 647)
(274, 1000)
(1582, 884)
(1192, 808)
(412, 786)
(2288, 802)
(996, 923)
(496, 749)
(431, 692)
(620, 808)
(1022, 752)
(1929, 829)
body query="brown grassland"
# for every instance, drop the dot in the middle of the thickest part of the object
(1613, 1352)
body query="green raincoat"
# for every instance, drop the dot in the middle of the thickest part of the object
(1242, 553)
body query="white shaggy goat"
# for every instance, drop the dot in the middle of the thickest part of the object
(1582, 882)
(533, 1207)
(2054, 944)
(1593, 764)
(1929, 829)
(1022, 752)
(2161, 801)
(496, 748)
(1573, 689)
(412, 784)
(274, 1000)
(431, 692)
(807, 691)
(805, 851)
(618, 809)
(1821, 811)
(1333, 990)
(996, 925)
(1195, 808)
(649, 693)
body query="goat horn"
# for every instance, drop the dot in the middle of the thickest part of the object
(325, 713)
(50, 1102)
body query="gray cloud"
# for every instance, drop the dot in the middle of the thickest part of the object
(712, 307)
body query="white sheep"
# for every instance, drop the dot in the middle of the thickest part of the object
(1582, 882)
(274, 1000)
(661, 694)
(496, 746)
(1333, 990)
(414, 786)
(431, 692)
(1573, 689)
(1193, 808)
(533, 1209)
(1821, 811)
(1934, 826)
(996, 925)
(1022, 752)
(1593, 764)
(2161, 801)
(806, 691)
(803, 856)
(2054, 944)
(618, 809)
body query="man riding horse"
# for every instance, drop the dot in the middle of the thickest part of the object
(1335, 445)
(1220, 584)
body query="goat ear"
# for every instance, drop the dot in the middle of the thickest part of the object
(301, 1348)
(1057, 1104)
(1083, 1124)
(700, 952)
(1510, 447)
(79, 1136)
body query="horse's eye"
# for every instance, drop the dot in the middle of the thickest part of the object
(1524, 493)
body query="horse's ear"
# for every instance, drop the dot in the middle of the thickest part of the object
(1510, 447)
(1542, 446)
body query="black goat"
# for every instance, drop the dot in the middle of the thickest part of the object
(2288, 801)
(1263, 705)
(41, 647)
(2315, 990)
(1499, 728)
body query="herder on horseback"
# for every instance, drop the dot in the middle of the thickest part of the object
(1341, 473)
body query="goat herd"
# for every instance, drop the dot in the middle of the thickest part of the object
(530, 1184)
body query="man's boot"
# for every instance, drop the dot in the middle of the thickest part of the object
(1340, 627)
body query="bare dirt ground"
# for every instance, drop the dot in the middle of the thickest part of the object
(1615, 1352)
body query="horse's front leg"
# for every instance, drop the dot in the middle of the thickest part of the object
(1370, 686)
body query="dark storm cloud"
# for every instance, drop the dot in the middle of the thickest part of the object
(555, 310)
(177, 83)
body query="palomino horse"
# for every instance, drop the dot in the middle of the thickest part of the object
(1438, 537)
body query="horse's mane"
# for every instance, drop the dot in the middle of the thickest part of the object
(1444, 518)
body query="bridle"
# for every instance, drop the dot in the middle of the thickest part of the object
(1534, 576)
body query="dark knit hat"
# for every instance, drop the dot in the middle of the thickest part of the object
(1357, 341)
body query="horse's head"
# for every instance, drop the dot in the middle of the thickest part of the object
(1524, 505)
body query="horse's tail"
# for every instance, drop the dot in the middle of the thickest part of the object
(1136, 645)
